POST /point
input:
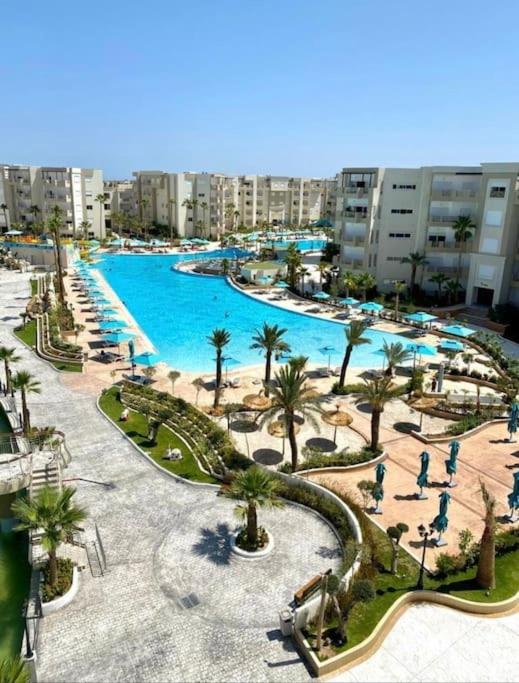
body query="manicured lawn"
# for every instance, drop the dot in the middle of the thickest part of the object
(28, 335)
(15, 573)
(136, 428)
(365, 616)
(34, 287)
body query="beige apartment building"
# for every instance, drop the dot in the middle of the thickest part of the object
(203, 203)
(119, 198)
(31, 192)
(383, 214)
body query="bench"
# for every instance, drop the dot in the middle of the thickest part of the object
(308, 589)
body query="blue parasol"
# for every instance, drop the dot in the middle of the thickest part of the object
(441, 521)
(349, 301)
(513, 498)
(422, 480)
(328, 351)
(110, 325)
(451, 464)
(146, 359)
(512, 421)
(118, 337)
(458, 330)
(380, 471)
(321, 296)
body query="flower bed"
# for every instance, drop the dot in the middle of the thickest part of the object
(63, 584)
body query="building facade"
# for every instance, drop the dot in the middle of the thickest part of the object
(31, 192)
(384, 214)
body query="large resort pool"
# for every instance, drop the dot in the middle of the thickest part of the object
(177, 312)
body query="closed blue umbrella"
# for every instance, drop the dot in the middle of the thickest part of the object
(513, 498)
(451, 464)
(441, 521)
(512, 421)
(378, 493)
(380, 472)
(422, 480)
(131, 349)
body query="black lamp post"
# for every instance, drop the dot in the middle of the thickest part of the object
(424, 534)
(29, 654)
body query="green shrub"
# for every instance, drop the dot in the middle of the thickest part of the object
(447, 563)
(341, 459)
(62, 585)
(347, 389)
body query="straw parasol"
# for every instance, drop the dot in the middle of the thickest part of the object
(256, 401)
(337, 418)
(278, 428)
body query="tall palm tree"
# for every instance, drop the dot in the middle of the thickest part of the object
(143, 205)
(350, 282)
(269, 339)
(415, 260)
(464, 229)
(55, 224)
(25, 383)
(101, 199)
(172, 203)
(4, 208)
(293, 261)
(199, 384)
(257, 488)
(353, 333)
(303, 272)
(365, 281)
(395, 354)
(85, 229)
(52, 513)
(398, 288)
(235, 218)
(229, 214)
(204, 206)
(173, 375)
(292, 394)
(486, 574)
(34, 210)
(322, 267)
(439, 280)
(219, 338)
(8, 355)
(377, 392)
(452, 288)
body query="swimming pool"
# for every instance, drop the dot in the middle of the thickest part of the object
(178, 311)
(302, 245)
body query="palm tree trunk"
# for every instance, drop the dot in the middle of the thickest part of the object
(292, 441)
(61, 289)
(25, 414)
(340, 618)
(252, 524)
(486, 575)
(345, 364)
(413, 279)
(397, 305)
(375, 428)
(218, 378)
(394, 557)
(53, 567)
(7, 377)
(458, 269)
(268, 360)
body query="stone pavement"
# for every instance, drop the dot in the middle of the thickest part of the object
(174, 604)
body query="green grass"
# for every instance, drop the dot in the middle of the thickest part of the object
(365, 616)
(28, 335)
(15, 573)
(34, 287)
(136, 428)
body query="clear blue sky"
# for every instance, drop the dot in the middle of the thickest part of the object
(282, 87)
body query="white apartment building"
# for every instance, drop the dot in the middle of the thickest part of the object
(31, 192)
(383, 214)
(196, 203)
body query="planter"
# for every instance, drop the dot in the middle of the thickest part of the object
(63, 600)
(257, 554)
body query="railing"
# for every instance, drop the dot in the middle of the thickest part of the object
(453, 194)
(444, 220)
(449, 245)
(355, 241)
(356, 215)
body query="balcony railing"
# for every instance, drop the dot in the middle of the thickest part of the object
(442, 220)
(359, 191)
(452, 195)
(354, 240)
(450, 245)
(357, 216)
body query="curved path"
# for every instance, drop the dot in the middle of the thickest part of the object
(174, 604)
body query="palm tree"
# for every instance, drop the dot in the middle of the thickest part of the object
(298, 362)
(8, 355)
(54, 224)
(353, 333)
(143, 205)
(395, 354)
(303, 272)
(350, 282)
(229, 213)
(219, 339)
(269, 339)
(464, 229)
(173, 375)
(14, 671)
(365, 281)
(4, 208)
(416, 260)
(452, 288)
(101, 199)
(439, 279)
(399, 287)
(395, 534)
(377, 392)
(85, 228)
(25, 383)
(293, 261)
(172, 202)
(34, 210)
(235, 217)
(204, 206)
(257, 488)
(486, 574)
(322, 267)
(291, 394)
(198, 383)
(52, 513)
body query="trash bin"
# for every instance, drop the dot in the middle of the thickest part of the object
(286, 622)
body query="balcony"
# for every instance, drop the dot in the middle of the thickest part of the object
(356, 191)
(356, 216)
(450, 271)
(352, 264)
(56, 182)
(354, 240)
(442, 220)
(452, 195)
(449, 245)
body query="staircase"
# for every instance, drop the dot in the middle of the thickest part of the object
(45, 474)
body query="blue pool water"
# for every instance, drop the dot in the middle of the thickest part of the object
(302, 245)
(178, 311)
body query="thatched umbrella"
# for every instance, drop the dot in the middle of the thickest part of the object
(337, 418)
(279, 429)
(257, 401)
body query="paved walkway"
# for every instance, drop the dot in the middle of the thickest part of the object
(174, 605)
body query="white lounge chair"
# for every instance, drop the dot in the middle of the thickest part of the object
(235, 382)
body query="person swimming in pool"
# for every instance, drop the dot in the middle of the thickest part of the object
(226, 314)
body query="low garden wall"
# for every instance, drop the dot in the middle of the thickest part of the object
(440, 438)
(64, 600)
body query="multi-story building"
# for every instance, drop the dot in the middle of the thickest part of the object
(196, 203)
(119, 198)
(31, 192)
(384, 214)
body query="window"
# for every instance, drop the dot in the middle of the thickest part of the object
(494, 218)
(497, 191)
(394, 258)
(201, 194)
(490, 246)
(89, 207)
(404, 187)
(400, 235)
(401, 210)
(107, 207)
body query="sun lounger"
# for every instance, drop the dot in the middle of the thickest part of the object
(323, 372)
(235, 382)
